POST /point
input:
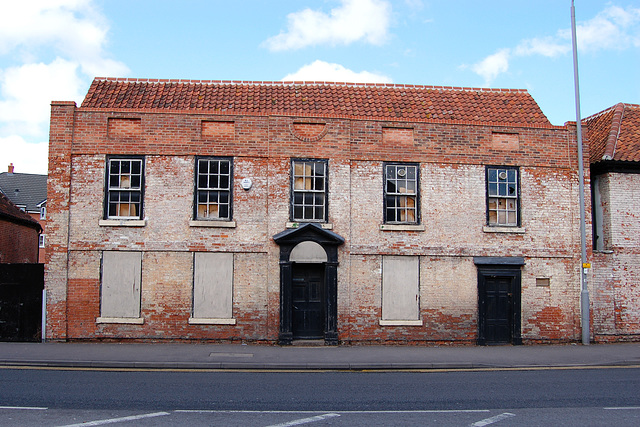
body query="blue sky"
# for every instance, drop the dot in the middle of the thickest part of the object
(52, 49)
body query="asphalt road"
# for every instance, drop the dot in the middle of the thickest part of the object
(535, 397)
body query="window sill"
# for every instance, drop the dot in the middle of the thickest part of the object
(204, 321)
(212, 224)
(121, 320)
(326, 226)
(498, 229)
(122, 222)
(400, 322)
(402, 227)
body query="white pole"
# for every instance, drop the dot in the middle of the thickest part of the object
(44, 315)
(584, 294)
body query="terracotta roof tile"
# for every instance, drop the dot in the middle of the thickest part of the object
(614, 134)
(376, 101)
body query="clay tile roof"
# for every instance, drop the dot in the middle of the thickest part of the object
(9, 211)
(614, 134)
(375, 101)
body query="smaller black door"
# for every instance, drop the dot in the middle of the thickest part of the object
(307, 298)
(498, 293)
(499, 307)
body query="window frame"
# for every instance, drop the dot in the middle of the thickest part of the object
(385, 207)
(197, 190)
(325, 190)
(108, 190)
(517, 197)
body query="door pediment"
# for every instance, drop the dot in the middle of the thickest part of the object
(311, 232)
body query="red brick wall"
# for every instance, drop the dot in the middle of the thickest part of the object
(18, 243)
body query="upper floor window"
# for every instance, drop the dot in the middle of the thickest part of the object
(401, 193)
(503, 196)
(43, 212)
(214, 178)
(309, 190)
(124, 188)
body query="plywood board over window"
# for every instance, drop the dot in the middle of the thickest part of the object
(400, 291)
(213, 288)
(121, 285)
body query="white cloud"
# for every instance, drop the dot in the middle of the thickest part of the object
(547, 46)
(353, 20)
(54, 48)
(327, 72)
(493, 65)
(71, 27)
(27, 92)
(26, 157)
(612, 28)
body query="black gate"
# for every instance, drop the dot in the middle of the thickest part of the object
(21, 288)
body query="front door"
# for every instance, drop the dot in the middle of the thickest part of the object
(307, 292)
(499, 307)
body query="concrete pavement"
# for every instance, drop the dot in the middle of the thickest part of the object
(300, 357)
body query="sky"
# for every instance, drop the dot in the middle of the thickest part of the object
(52, 50)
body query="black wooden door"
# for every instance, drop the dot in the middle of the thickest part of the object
(498, 309)
(499, 306)
(307, 297)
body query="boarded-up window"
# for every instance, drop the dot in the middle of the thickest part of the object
(400, 287)
(213, 285)
(121, 277)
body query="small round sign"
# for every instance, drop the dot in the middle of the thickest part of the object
(246, 183)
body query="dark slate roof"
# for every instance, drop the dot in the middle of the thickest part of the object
(614, 134)
(371, 101)
(24, 189)
(9, 211)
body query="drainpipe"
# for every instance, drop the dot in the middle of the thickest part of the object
(584, 294)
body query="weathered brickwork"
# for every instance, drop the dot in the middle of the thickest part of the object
(452, 231)
(616, 306)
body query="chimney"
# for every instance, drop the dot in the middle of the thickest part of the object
(11, 168)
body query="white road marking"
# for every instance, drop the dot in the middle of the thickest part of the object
(426, 411)
(493, 420)
(118, 420)
(34, 408)
(305, 420)
(622, 408)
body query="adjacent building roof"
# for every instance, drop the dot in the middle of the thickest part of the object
(614, 134)
(9, 211)
(24, 189)
(372, 101)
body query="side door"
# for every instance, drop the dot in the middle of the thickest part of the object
(499, 307)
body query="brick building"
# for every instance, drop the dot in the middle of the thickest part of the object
(28, 192)
(614, 137)
(284, 211)
(18, 234)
